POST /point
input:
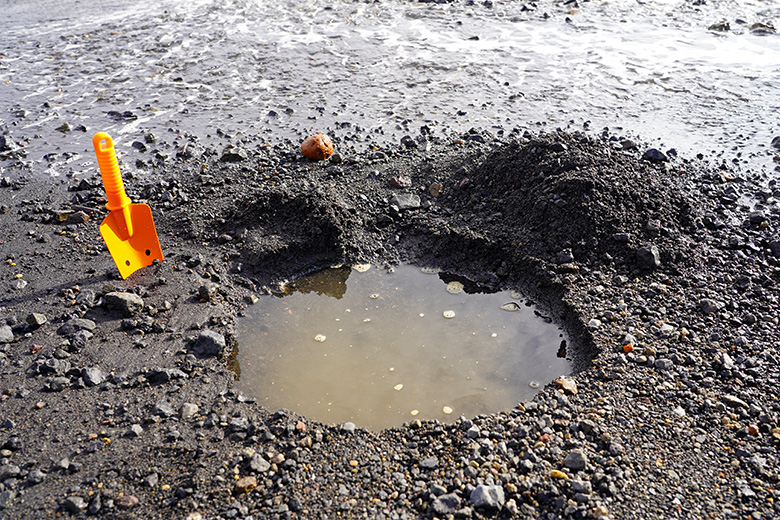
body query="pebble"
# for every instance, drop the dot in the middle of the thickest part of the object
(734, 401)
(188, 410)
(405, 201)
(576, 460)
(74, 504)
(93, 376)
(245, 484)
(488, 497)
(6, 334)
(348, 427)
(36, 319)
(648, 257)
(446, 504)
(209, 343)
(126, 303)
(126, 501)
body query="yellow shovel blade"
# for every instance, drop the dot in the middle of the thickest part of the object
(137, 251)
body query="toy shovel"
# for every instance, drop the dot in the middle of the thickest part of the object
(128, 230)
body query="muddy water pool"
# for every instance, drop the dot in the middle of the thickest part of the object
(372, 72)
(381, 348)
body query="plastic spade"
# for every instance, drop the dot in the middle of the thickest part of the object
(128, 230)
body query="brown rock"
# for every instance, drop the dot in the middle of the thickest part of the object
(245, 485)
(435, 189)
(317, 147)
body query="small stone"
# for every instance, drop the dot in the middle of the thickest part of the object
(36, 319)
(245, 484)
(734, 401)
(126, 303)
(664, 364)
(233, 154)
(134, 431)
(74, 325)
(79, 217)
(259, 465)
(348, 427)
(753, 430)
(648, 257)
(317, 147)
(6, 334)
(208, 291)
(567, 384)
(435, 189)
(74, 505)
(556, 473)
(126, 501)
(709, 306)
(35, 477)
(654, 155)
(594, 323)
(187, 410)
(576, 460)
(446, 504)
(429, 463)
(405, 201)
(151, 480)
(400, 181)
(93, 376)
(488, 497)
(209, 343)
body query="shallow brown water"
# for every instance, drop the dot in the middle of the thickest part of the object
(382, 348)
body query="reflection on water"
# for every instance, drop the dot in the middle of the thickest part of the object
(381, 348)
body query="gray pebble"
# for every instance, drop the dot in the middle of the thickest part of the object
(348, 427)
(187, 410)
(6, 334)
(93, 376)
(446, 504)
(74, 504)
(648, 257)
(209, 343)
(489, 497)
(36, 476)
(576, 460)
(126, 303)
(734, 401)
(429, 463)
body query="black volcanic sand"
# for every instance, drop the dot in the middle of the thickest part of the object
(122, 405)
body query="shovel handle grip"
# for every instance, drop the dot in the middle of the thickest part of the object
(109, 171)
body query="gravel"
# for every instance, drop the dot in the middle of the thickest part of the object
(129, 410)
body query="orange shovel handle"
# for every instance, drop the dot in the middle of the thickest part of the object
(112, 178)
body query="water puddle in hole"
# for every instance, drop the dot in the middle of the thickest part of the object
(382, 348)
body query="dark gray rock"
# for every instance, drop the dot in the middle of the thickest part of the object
(74, 505)
(163, 409)
(655, 155)
(126, 303)
(774, 248)
(209, 343)
(59, 383)
(446, 504)
(488, 497)
(648, 257)
(776, 142)
(734, 401)
(165, 375)
(564, 257)
(134, 431)
(709, 306)
(35, 477)
(6, 498)
(71, 326)
(576, 460)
